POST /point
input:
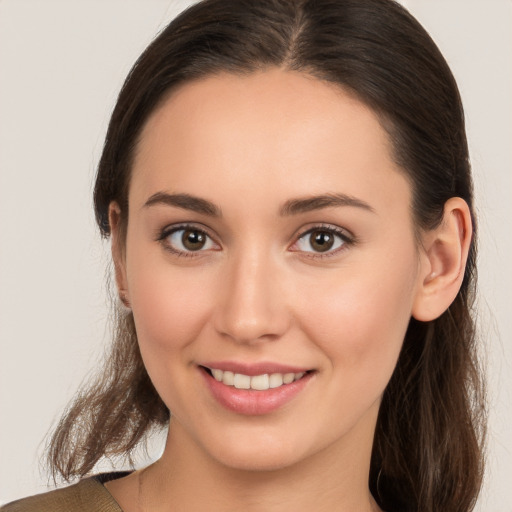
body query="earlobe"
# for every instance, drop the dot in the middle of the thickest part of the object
(117, 248)
(443, 261)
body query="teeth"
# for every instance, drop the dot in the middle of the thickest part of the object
(228, 378)
(288, 378)
(242, 381)
(257, 382)
(260, 382)
(275, 380)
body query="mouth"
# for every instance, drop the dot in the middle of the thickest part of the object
(260, 382)
(258, 393)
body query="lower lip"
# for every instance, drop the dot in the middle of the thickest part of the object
(252, 402)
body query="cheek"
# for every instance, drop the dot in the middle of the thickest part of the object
(359, 320)
(170, 305)
(170, 309)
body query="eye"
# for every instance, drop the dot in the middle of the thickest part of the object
(322, 240)
(186, 239)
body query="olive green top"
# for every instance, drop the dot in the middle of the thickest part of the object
(88, 495)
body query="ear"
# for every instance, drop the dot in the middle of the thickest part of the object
(118, 253)
(444, 254)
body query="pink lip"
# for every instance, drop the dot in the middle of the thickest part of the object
(251, 402)
(252, 369)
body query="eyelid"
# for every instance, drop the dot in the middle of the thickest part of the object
(346, 236)
(164, 233)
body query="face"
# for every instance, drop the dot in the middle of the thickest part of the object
(269, 240)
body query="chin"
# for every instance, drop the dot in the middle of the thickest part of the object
(261, 463)
(257, 454)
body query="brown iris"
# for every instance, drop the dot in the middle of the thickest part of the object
(193, 240)
(321, 241)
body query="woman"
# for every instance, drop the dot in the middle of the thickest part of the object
(287, 189)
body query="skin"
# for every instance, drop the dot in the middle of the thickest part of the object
(259, 291)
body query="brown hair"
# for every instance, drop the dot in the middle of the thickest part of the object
(427, 453)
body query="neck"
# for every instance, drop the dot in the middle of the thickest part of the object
(187, 478)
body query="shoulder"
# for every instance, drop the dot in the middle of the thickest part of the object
(88, 495)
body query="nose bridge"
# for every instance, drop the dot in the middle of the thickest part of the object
(251, 306)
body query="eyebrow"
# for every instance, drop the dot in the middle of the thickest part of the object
(307, 204)
(184, 201)
(290, 207)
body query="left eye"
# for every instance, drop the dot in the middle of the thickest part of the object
(189, 240)
(320, 241)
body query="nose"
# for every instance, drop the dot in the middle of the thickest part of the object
(251, 304)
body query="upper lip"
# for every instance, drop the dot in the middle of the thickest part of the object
(252, 369)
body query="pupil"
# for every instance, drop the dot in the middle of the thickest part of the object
(193, 240)
(321, 241)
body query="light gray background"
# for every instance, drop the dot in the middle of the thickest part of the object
(61, 66)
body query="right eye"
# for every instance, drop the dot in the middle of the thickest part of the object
(185, 240)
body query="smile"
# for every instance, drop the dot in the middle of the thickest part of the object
(256, 382)
(255, 389)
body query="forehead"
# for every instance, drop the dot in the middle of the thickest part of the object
(275, 127)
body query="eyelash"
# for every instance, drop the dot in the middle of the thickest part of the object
(168, 231)
(346, 239)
